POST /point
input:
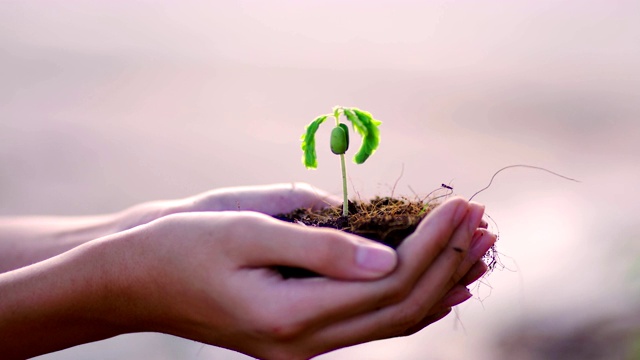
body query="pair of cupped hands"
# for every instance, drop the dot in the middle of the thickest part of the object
(203, 268)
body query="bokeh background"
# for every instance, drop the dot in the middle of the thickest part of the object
(105, 104)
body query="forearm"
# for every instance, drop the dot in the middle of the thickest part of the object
(29, 239)
(61, 302)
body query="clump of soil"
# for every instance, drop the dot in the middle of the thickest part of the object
(383, 219)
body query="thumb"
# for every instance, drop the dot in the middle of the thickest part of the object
(322, 251)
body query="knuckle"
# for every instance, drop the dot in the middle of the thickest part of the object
(405, 318)
(409, 314)
(283, 352)
(300, 185)
(456, 256)
(397, 293)
(459, 250)
(453, 281)
(276, 326)
(333, 246)
(301, 189)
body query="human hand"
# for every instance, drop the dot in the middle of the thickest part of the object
(25, 240)
(209, 277)
(267, 199)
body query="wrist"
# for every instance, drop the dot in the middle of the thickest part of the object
(131, 290)
(61, 302)
(146, 212)
(28, 240)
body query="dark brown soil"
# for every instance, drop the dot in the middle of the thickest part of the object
(383, 219)
(386, 220)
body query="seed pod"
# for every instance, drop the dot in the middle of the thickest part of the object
(340, 139)
(346, 134)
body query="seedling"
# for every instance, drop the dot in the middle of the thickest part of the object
(362, 121)
(388, 220)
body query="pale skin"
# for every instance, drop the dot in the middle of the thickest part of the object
(202, 268)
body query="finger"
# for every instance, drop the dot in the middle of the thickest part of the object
(481, 242)
(426, 322)
(456, 249)
(444, 273)
(283, 198)
(269, 199)
(477, 270)
(457, 295)
(268, 242)
(454, 261)
(417, 254)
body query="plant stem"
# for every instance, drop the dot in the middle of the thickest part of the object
(345, 204)
(343, 165)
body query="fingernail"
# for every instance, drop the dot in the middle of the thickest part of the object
(460, 213)
(476, 237)
(456, 296)
(476, 211)
(480, 246)
(475, 273)
(442, 314)
(378, 259)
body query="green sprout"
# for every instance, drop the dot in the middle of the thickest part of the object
(362, 122)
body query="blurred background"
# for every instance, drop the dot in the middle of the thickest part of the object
(105, 104)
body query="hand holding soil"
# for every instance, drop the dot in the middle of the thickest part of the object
(208, 273)
(231, 296)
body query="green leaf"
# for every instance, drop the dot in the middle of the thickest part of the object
(364, 123)
(336, 111)
(355, 121)
(309, 158)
